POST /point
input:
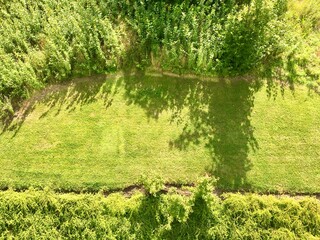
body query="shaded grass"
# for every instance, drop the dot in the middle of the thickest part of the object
(105, 132)
(92, 147)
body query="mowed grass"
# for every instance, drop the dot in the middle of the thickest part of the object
(288, 132)
(106, 132)
(86, 144)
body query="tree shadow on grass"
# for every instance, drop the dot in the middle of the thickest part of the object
(216, 113)
(211, 112)
(61, 97)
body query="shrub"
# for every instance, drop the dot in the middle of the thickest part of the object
(201, 215)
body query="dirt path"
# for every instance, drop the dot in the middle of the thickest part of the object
(184, 190)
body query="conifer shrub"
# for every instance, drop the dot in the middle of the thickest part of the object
(200, 214)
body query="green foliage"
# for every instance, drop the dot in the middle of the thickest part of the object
(44, 214)
(46, 41)
(306, 13)
(304, 17)
(153, 185)
(215, 38)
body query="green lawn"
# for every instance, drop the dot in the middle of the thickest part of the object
(108, 131)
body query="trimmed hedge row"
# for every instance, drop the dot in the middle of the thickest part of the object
(201, 215)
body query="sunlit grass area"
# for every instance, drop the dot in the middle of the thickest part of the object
(105, 132)
(288, 134)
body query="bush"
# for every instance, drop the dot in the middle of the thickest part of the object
(49, 41)
(201, 215)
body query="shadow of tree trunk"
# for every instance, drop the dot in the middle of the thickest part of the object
(230, 111)
(218, 115)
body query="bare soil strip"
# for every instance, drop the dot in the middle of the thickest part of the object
(181, 189)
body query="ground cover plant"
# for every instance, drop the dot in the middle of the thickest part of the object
(199, 215)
